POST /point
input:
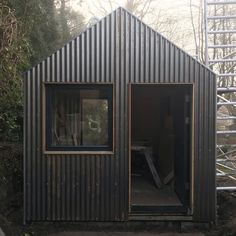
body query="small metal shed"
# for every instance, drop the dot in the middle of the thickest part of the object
(119, 125)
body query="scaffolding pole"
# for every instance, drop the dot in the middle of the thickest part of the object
(220, 3)
(225, 162)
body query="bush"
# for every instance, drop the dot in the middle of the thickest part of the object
(11, 176)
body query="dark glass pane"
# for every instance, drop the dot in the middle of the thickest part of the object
(95, 122)
(79, 118)
(66, 119)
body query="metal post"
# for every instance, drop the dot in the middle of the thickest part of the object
(206, 32)
(226, 166)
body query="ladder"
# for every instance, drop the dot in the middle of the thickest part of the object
(147, 152)
(220, 56)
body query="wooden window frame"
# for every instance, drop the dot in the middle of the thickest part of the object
(48, 149)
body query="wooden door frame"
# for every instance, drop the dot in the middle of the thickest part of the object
(192, 147)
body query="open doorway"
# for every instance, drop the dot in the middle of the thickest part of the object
(160, 148)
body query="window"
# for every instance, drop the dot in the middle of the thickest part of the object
(79, 117)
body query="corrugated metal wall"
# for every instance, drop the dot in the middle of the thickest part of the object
(119, 49)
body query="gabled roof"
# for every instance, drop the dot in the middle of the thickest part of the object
(127, 13)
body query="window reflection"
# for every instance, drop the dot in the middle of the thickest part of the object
(80, 117)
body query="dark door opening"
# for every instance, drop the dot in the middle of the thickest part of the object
(160, 148)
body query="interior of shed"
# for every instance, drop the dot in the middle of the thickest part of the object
(160, 147)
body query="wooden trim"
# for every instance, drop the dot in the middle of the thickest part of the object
(145, 83)
(78, 83)
(129, 145)
(113, 117)
(43, 120)
(79, 152)
(192, 157)
(192, 133)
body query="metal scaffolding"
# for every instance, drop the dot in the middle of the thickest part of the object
(220, 56)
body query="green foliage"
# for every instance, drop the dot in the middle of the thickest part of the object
(30, 30)
(11, 178)
(70, 22)
(13, 57)
(41, 28)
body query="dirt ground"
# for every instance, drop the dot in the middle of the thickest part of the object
(11, 223)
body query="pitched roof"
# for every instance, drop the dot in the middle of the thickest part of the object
(113, 14)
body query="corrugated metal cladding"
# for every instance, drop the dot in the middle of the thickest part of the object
(119, 49)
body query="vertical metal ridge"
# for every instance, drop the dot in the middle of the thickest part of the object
(68, 188)
(145, 54)
(72, 59)
(156, 57)
(196, 139)
(166, 62)
(92, 43)
(187, 67)
(125, 187)
(107, 191)
(142, 53)
(93, 189)
(191, 70)
(120, 106)
(25, 142)
(137, 51)
(38, 139)
(171, 64)
(151, 56)
(73, 190)
(112, 48)
(181, 67)
(161, 60)
(68, 63)
(207, 143)
(62, 185)
(210, 107)
(148, 55)
(107, 49)
(102, 52)
(77, 59)
(212, 150)
(97, 54)
(117, 106)
(58, 77)
(82, 58)
(121, 94)
(62, 63)
(131, 49)
(101, 194)
(82, 189)
(87, 55)
(205, 140)
(214, 139)
(48, 192)
(176, 65)
(51, 68)
(87, 188)
(33, 150)
(208, 137)
(25, 112)
(47, 70)
(27, 148)
(57, 187)
(201, 127)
